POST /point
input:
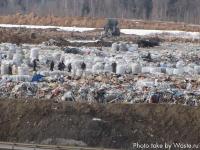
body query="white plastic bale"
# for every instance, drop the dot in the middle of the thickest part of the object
(169, 71)
(192, 65)
(4, 68)
(115, 47)
(14, 70)
(120, 61)
(121, 69)
(154, 70)
(67, 62)
(79, 72)
(132, 47)
(23, 70)
(169, 65)
(26, 61)
(43, 59)
(108, 67)
(119, 57)
(162, 64)
(34, 53)
(128, 68)
(18, 78)
(57, 56)
(88, 72)
(189, 70)
(12, 48)
(17, 59)
(163, 69)
(89, 65)
(106, 59)
(98, 59)
(112, 59)
(73, 72)
(76, 64)
(145, 69)
(136, 68)
(179, 71)
(19, 50)
(197, 69)
(10, 55)
(3, 48)
(122, 47)
(98, 68)
(62, 58)
(24, 78)
(180, 64)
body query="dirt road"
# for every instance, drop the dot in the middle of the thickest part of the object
(24, 146)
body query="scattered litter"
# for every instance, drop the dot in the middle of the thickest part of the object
(122, 73)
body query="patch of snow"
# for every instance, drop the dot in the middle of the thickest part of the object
(139, 32)
(59, 28)
(75, 29)
(96, 119)
(176, 33)
(83, 41)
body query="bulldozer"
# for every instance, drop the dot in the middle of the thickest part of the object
(111, 28)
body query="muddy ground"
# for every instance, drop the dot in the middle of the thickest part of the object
(38, 36)
(111, 126)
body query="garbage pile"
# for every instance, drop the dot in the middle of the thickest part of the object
(122, 73)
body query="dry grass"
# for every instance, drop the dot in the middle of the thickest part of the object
(94, 22)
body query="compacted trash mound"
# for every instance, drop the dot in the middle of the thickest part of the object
(95, 125)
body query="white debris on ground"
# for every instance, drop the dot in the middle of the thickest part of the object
(139, 32)
(123, 73)
(59, 28)
(174, 33)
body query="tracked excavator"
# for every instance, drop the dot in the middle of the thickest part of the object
(111, 28)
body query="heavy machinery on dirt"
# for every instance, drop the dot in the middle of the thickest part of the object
(111, 28)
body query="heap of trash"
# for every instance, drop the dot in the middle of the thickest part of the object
(123, 73)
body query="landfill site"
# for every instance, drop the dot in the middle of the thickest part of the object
(99, 86)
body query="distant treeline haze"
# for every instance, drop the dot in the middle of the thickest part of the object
(169, 10)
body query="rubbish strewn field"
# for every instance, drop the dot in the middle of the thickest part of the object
(119, 72)
(77, 88)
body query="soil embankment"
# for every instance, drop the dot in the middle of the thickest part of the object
(116, 126)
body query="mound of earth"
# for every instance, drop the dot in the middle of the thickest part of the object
(111, 126)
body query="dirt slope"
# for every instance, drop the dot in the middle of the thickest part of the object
(37, 36)
(116, 126)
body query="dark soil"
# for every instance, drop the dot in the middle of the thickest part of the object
(38, 36)
(119, 127)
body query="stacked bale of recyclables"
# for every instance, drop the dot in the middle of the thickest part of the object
(136, 68)
(23, 70)
(34, 54)
(5, 67)
(121, 69)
